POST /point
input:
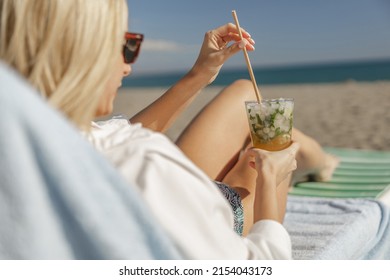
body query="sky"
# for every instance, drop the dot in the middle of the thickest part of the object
(287, 32)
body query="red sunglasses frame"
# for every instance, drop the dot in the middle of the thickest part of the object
(132, 46)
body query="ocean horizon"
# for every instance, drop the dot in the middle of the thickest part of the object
(361, 71)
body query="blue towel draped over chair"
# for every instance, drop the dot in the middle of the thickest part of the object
(59, 199)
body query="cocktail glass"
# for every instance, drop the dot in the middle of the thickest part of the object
(270, 123)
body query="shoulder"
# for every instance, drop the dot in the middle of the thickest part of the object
(122, 141)
(115, 133)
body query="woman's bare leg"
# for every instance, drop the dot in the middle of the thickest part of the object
(312, 159)
(215, 137)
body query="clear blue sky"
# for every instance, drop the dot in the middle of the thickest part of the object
(285, 31)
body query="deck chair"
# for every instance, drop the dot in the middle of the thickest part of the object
(347, 217)
(361, 173)
(59, 198)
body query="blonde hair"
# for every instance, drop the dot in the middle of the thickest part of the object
(65, 48)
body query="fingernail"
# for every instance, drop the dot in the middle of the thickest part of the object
(251, 47)
(241, 44)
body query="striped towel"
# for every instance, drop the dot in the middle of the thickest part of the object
(338, 229)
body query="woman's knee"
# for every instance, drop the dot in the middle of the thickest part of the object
(240, 91)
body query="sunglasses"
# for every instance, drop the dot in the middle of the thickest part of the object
(132, 46)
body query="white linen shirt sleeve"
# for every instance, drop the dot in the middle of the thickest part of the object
(184, 200)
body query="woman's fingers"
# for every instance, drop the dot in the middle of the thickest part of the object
(229, 33)
(216, 49)
(282, 161)
(235, 37)
(294, 147)
(228, 28)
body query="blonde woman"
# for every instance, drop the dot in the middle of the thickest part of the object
(72, 52)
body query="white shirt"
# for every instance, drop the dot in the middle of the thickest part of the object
(181, 196)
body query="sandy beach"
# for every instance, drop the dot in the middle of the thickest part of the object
(350, 114)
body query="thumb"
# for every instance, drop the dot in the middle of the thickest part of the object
(235, 48)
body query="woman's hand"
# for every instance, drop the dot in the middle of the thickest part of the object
(216, 49)
(275, 165)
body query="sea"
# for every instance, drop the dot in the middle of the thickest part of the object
(365, 71)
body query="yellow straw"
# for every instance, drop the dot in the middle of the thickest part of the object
(248, 63)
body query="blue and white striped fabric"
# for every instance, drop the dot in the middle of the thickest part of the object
(338, 229)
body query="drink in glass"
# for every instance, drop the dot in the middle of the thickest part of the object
(270, 123)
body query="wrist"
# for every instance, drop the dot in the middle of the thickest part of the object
(202, 74)
(266, 181)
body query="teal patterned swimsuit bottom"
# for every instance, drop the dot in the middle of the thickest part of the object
(235, 202)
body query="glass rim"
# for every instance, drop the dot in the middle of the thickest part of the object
(271, 100)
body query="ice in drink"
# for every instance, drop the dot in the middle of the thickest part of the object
(270, 123)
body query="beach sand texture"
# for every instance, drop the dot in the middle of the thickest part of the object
(350, 114)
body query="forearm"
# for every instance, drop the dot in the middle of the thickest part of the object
(160, 115)
(266, 206)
